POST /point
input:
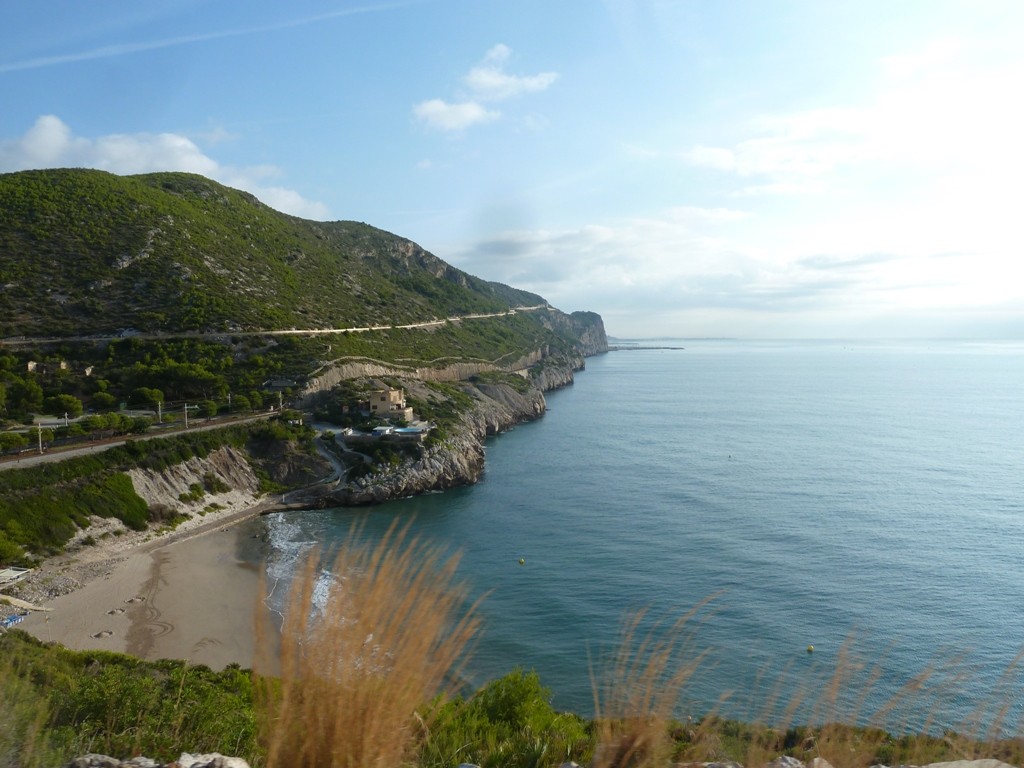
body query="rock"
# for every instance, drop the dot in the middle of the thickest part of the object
(94, 761)
(187, 760)
(785, 761)
(213, 760)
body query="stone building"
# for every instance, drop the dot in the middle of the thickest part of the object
(390, 404)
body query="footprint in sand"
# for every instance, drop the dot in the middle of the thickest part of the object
(104, 633)
(135, 600)
(115, 611)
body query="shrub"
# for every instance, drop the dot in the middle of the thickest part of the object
(509, 723)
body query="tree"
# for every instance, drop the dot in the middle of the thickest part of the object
(9, 440)
(139, 424)
(241, 403)
(58, 405)
(208, 408)
(94, 423)
(25, 395)
(147, 396)
(104, 401)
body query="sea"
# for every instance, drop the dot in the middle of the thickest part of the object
(842, 520)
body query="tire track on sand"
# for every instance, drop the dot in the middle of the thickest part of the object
(145, 617)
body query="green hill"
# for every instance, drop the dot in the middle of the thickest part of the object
(169, 288)
(88, 252)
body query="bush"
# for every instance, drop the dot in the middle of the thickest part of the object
(510, 723)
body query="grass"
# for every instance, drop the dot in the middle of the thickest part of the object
(388, 636)
(638, 693)
(56, 704)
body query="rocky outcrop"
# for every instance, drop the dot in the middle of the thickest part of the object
(589, 329)
(459, 461)
(459, 458)
(225, 467)
(219, 761)
(187, 760)
(546, 367)
(555, 374)
(455, 461)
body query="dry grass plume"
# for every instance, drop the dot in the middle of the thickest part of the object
(355, 665)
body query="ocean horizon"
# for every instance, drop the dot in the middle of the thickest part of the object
(861, 497)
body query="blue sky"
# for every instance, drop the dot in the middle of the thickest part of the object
(755, 168)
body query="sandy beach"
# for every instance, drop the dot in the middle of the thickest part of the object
(192, 594)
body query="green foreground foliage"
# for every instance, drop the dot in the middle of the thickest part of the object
(56, 704)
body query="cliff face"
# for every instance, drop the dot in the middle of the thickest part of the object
(589, 329)
(459, 460)
(227, 467)
(547, 371)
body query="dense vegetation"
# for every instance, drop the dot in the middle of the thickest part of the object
(43, 506)
(88, 252)
(56, 703)
(237, 373)
(127, 301)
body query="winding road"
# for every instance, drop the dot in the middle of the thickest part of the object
(21, 341)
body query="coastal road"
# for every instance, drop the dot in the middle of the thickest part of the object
(21, 341)
(20, 461)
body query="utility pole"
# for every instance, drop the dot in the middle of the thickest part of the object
(39, 431)
(159, 411)
(186, 415)
(65, 418)
(229, 402)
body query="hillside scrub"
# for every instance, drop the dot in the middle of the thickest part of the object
(181, 290)
(55, 704)
(42, 507)
(178, 251)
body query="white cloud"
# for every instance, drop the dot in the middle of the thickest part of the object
(441, 115)
(486, 82)
(695, 271)
(50, 143)
(937, 115)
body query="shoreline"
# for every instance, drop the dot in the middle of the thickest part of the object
(191, 594)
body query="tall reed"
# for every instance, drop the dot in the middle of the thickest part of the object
(637, 694)
(834, 712)
(390, 632)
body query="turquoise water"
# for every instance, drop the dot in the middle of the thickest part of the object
(818, 490)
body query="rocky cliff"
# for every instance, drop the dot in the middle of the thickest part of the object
(224, 475)
(546, 368)
(456, 460)
(459, 458)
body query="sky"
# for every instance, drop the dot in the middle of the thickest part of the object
(685, 168)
